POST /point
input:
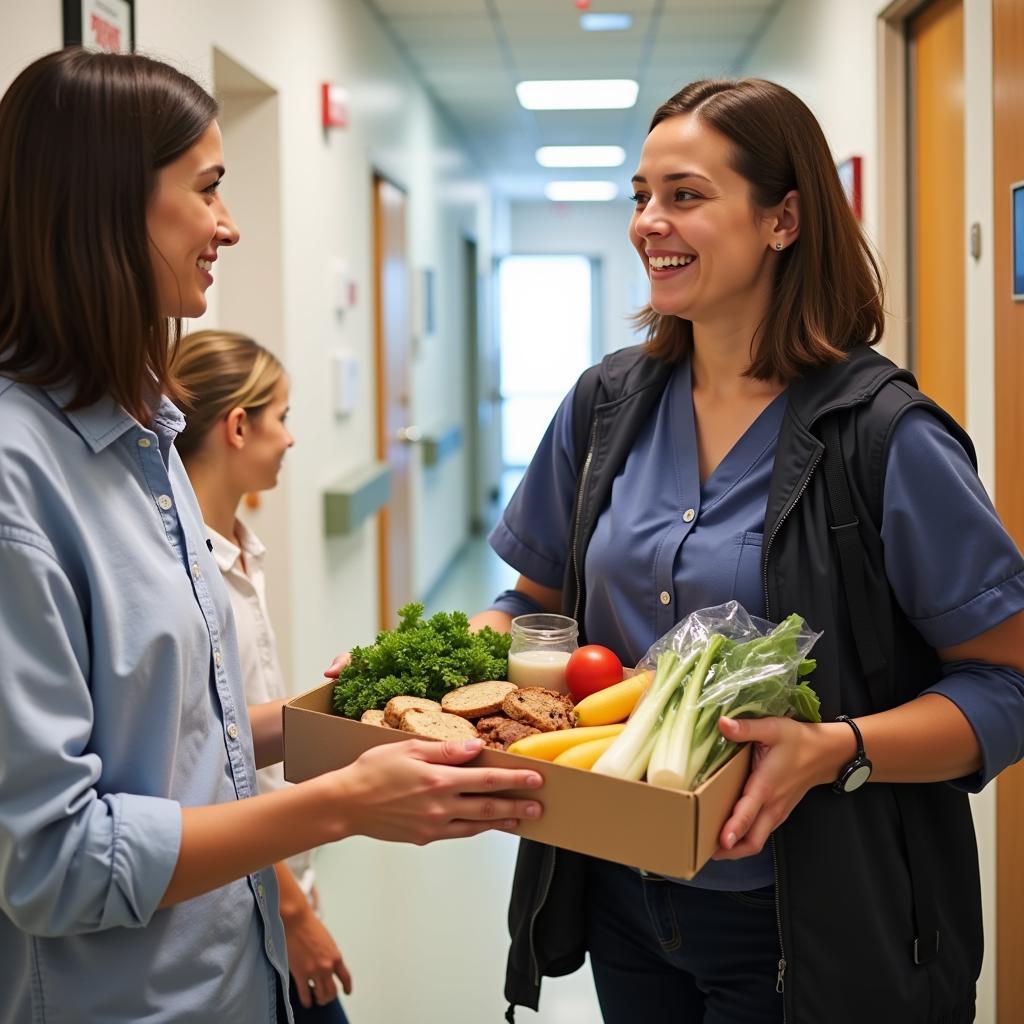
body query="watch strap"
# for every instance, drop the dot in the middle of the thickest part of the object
(856, 772)
(856, 732)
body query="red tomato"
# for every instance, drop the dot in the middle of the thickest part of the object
(590, 669)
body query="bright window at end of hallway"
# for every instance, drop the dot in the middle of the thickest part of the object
(546, 333)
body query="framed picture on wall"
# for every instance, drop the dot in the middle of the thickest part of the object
(1017, 239)
(849, 175)
(100, 24)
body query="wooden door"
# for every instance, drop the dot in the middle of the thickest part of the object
(475, 505)
(393, 342)
(936, 40)
(1008, 167)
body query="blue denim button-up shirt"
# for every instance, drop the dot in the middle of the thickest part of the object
(120, 702)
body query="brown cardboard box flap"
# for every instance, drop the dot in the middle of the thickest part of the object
(660, 830)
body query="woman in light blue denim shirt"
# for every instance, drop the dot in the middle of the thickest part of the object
(133, 852)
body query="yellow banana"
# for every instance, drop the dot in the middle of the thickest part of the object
(613, 703)
(548, 745)
(583, 755)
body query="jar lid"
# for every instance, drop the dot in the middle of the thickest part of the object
(545, 626)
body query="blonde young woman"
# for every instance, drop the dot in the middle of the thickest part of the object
(234, 443)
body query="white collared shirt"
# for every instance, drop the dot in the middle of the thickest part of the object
(261, 669)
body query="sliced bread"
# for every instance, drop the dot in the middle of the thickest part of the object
(397, 706)
(476, 699)
(436, 725)
(374, 717)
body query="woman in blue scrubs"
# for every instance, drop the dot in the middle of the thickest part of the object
(763, 296)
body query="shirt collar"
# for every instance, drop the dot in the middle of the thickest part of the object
(226, 552)
(103, 422)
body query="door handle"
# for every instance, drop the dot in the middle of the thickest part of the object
(409, 435)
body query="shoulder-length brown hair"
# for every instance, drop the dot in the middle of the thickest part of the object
(828, 294)
(82, 137)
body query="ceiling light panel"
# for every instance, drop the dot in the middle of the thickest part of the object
(592, 22)
(581, 191)
(581, 156)
(578, 94)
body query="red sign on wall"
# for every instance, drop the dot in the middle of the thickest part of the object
(334, 102)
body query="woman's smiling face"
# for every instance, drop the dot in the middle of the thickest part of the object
(706, 247)
(187, 223)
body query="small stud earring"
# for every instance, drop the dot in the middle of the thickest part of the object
(778, 245)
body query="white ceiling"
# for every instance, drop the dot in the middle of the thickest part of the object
(471, 53)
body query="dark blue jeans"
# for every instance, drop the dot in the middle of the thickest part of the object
(332, 1013)
(664, 952)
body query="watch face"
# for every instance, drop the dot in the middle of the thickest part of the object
(857, 777)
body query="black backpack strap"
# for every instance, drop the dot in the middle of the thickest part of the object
(845, 528)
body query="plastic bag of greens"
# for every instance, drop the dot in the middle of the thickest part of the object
(717, 661)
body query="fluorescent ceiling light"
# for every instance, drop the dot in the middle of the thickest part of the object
(581, 191)
(581, 156)
(605, 22)
(585, 94)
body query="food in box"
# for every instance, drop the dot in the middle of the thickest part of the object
(660, 830)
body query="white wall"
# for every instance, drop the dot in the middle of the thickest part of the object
(324, 594)
(327, 216)
(39, 30)
(827, 54)
(597, 230)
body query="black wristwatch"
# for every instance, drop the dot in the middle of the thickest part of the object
(858, 771)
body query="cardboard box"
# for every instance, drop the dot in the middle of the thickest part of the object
(659, 830)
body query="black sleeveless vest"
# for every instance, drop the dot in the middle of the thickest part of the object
(878, 891)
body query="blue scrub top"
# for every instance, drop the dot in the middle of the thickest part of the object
(667, 545)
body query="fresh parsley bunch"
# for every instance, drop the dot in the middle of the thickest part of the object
(420, 658)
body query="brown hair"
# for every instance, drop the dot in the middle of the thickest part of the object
(82, 137)
(827, 297)
(221, 371)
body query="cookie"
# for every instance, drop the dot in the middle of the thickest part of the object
(545, 710)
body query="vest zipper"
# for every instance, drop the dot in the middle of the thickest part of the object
(584, 473)
(780, 981)
(778, 526)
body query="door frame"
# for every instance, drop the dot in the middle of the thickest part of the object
(893, 233)
(893, 228)
(386, 600)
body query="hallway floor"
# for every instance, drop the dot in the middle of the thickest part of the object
(423, 930)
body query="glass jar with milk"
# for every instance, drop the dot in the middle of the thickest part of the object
(541, 645)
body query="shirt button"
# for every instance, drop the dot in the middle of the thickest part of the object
(689, 515)
(665, 597)
(216, 658)
(144, 442)
(195, 572)
(164, 501)
(261, 892)
(233, 731)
